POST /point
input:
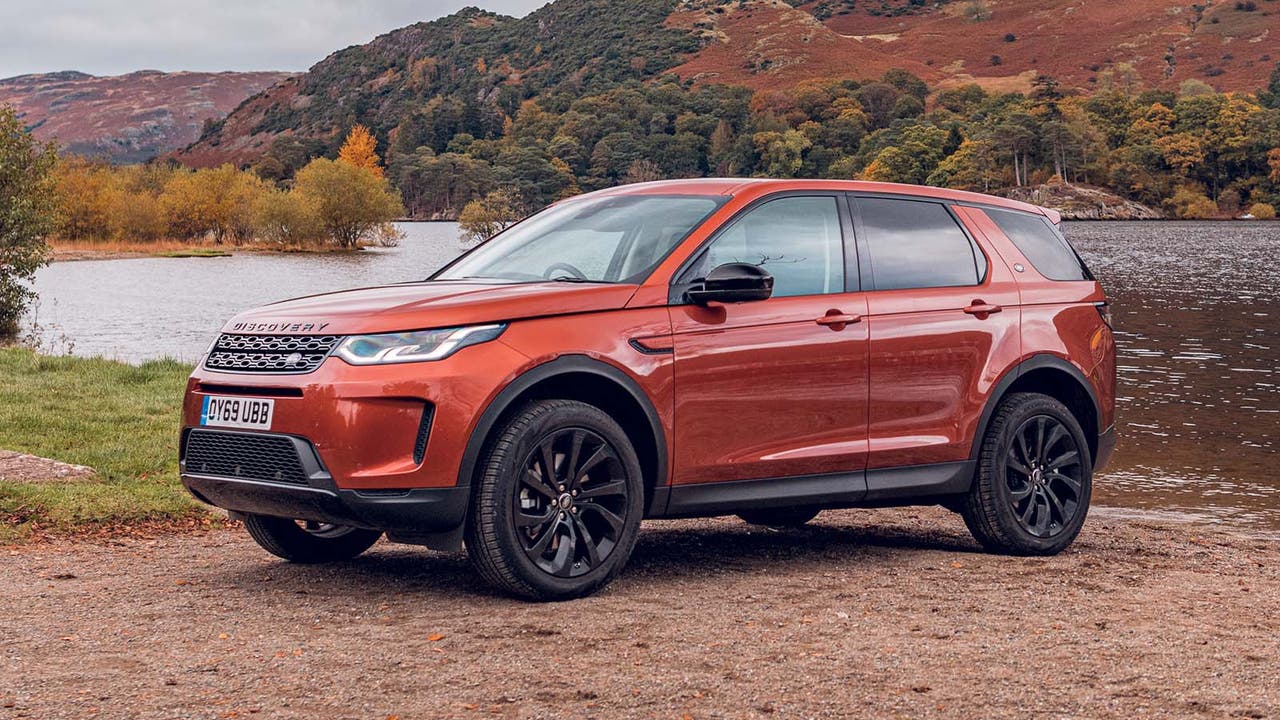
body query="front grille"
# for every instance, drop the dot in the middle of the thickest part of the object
(269, 458)
(270, 353)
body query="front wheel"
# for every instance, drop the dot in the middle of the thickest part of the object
(557, 507)
(1034, 481)
(305, 541)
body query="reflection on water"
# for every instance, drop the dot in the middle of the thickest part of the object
(1197, 308)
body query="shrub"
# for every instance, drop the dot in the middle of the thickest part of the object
(352, 202)
(26, 215)
(1263, 211)
(287, 218)
(482, 219)
(1192, 204)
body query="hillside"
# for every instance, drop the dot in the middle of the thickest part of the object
(495, 62)
(489, 62)
(999, 44)
(127, 118)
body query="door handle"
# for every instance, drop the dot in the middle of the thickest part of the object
(980, 308)
(836, 320)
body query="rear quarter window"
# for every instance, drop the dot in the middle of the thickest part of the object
(1042, 245)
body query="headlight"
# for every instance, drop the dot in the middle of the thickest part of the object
(418, 346)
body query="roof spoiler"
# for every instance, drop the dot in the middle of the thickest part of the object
(1054, 216)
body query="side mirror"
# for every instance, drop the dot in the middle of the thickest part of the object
(733, 283)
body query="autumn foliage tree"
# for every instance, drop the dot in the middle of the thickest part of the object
(485, 217)
(26, 215)
(361, 150)
(352, 203)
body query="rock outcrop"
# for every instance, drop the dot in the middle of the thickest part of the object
(1080, 202)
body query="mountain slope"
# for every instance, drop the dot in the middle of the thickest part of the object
(492, 61)
(999, 44)
(127, 118)
(480, 66)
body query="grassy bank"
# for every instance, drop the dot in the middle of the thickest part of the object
(119, 419)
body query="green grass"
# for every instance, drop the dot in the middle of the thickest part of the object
(122, 420)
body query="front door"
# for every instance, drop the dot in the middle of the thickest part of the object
(775, 388)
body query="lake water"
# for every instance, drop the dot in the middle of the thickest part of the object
(1197, 312)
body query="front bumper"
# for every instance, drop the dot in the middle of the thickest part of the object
(422, 510)
(234, 479)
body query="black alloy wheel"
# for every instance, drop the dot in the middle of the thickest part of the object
(1032, 488)
(572, 502)
(557, 502)
(1043, 472)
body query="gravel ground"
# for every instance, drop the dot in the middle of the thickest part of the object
(16, 466)
(864, 613)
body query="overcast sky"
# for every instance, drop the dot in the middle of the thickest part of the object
(110, 38)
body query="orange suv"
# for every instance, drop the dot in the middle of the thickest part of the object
(762, 348)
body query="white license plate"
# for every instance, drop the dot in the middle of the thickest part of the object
(236, 412)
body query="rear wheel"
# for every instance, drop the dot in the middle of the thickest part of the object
(789, 517)
(306, 541)
(557, 508)
(1034, 480)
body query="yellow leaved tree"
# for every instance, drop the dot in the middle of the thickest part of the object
(361, 150)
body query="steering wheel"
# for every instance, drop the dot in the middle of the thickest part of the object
(566, 267)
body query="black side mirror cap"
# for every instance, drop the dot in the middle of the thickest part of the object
(733, 283)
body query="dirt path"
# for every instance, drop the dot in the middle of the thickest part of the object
(864, 614)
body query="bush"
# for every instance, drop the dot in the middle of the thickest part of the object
(1192, 204)
(1263, 211)
(286, 218)
(26, 215)
(482, 219)
(352, 203)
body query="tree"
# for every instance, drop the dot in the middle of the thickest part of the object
(971, 167)
(352, 202)
(1183, 151)
(1191, 204)
(1263, 211)
(643, 171)
(1271, 96)
(287, 218)
(215, 202)
(361, 150)
(26, 215)
(781, 153)
(1273, 161)
(485, 217)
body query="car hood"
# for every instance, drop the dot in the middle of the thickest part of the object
(418, 306)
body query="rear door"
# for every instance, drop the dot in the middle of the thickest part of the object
(943, 313)
(774, 388)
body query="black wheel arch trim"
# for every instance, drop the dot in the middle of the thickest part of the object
(563, 365)
(1035, 362)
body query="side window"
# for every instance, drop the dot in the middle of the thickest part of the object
(1047, 250)
(797, 239)
(918, 244)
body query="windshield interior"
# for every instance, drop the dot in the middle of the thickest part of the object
(603, 239)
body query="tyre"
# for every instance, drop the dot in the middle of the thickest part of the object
(1034, 479)
(558, 503)
(788, 517)
(305, 541)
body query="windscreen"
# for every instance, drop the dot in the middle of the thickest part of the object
(601, 239)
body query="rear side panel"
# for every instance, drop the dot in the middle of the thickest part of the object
(1060, 318)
